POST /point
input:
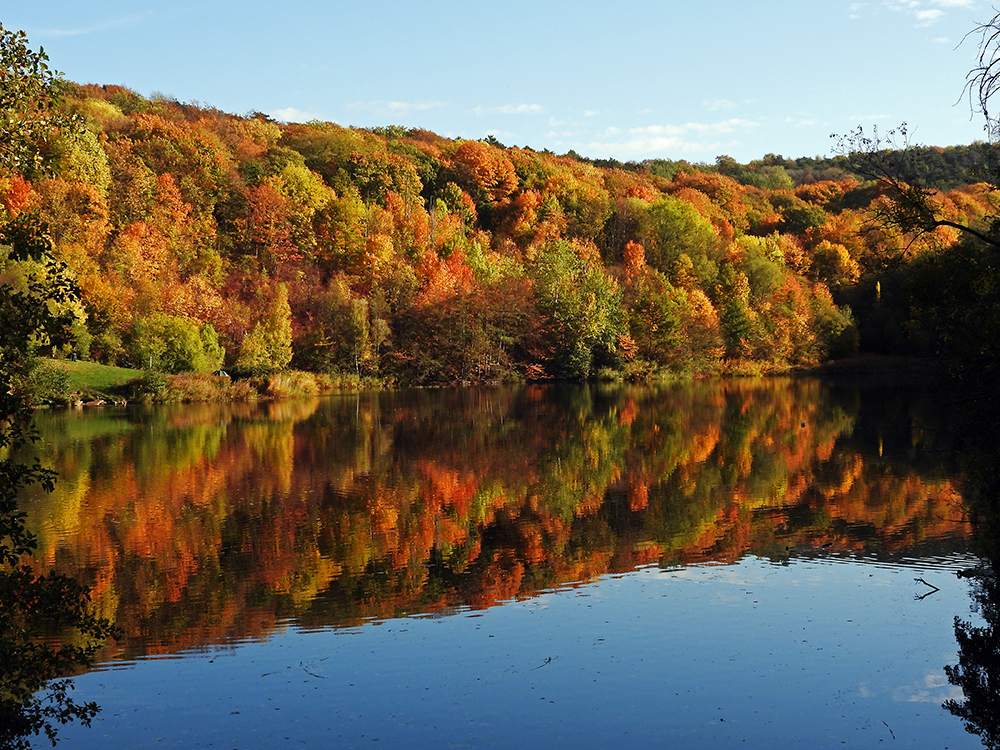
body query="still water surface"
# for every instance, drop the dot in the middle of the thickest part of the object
(698, 565)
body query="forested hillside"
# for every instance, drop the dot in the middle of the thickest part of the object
(201, 239)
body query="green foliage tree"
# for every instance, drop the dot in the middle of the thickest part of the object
(739, 322)
(678, 229)
(338, 334)
(34, 694)
(655, 318)
(172, 344)
(79, 157)
(584, 308)
(26, 272)
(798, 216)
(268, 346)
(30, 93)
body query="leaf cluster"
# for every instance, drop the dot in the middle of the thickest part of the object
(29, 98)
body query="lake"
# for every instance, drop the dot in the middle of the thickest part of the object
(696, 565)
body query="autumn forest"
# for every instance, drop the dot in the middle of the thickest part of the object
(202, 240)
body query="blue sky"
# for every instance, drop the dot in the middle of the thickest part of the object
(630, 79)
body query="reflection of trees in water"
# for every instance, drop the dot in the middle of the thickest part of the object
(382, 504)
(978, 668)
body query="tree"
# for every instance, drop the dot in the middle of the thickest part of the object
(29, 99)
(268, 346)
(654, 308)
(34, 696)
(583, 307)
(172, 344)
(265, 227)
(949, 283)
(983, 81)
(908, 210)
(485, 171)
(677, 229)
(979, 664)
(977, 671)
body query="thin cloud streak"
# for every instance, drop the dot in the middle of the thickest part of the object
(96, 28)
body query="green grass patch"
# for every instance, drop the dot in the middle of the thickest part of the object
(93, 379)
(89, 381)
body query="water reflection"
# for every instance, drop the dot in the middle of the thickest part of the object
(210, 523)
(977, 672)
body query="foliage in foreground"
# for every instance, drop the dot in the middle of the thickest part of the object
(46, 627)
(34, 697)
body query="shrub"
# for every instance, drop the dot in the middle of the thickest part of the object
(49, 383)
(151, 386)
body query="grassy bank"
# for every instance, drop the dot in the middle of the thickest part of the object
(67, 382)
(199, 387)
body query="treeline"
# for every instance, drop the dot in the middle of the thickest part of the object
(201, 240)
(934, 167)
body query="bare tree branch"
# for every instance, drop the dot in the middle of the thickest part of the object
(983, 81)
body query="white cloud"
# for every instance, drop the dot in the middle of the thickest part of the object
(934, 688)
(291, 114)
(900, 7)
(500, 134)
(715, 106)
(394, 109)
(509, 109)
(927, 17)
(700, 128)
(922, 15)
(689, 138)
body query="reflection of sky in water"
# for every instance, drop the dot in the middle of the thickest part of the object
(812, 654)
